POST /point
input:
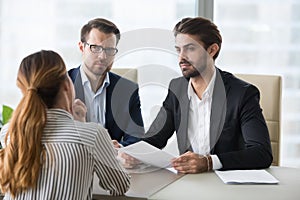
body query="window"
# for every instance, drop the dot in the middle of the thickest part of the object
(56, 25)
(261, 36)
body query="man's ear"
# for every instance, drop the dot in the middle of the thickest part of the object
(213, 49)
(81, 46)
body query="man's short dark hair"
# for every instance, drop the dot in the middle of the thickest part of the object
(206, 31)
(102, 25)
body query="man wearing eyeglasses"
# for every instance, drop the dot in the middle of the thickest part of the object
(111, 100)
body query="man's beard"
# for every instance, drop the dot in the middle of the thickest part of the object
(192, 74)
(186, 72)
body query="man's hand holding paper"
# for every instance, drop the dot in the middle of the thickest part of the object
(134, 154)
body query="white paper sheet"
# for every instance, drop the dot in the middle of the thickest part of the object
(246, 177)
(148, 154)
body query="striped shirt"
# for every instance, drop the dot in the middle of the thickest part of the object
(73, 152)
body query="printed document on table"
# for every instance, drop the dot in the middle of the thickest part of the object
(246, 177)
(148, 154)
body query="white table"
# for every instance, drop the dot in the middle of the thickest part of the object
(163, 184)
(209, 186)
(143, 185)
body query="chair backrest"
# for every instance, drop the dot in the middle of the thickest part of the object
(270, 92)
(129, 73)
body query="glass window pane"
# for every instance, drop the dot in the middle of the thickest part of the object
(56, 25)
(262, 36)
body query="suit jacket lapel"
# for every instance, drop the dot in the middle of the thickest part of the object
(109, 90)
(218, 110)
(184, 145)
(79, 92)
(78, 87)
(184, 104)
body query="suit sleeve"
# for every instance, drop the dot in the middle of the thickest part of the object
(137, 129)
(163, 126)
(123, 111)
(255, 148)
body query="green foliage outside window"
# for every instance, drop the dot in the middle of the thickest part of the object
(5, 116)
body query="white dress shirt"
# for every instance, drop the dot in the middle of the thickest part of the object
(95, 102)
(199, 121)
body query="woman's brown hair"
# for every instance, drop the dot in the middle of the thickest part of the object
(40, 76)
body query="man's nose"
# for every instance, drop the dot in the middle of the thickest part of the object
(182, 55)
(102, 55)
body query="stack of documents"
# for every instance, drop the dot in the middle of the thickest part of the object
(246, 177)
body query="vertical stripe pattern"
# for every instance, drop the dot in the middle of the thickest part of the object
(74, 151)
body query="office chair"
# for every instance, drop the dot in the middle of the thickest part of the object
(270, 87)
(129, 73)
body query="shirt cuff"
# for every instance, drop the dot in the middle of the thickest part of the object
(216, 162)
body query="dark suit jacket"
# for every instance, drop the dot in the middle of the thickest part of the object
(238, 132)
(123, 118)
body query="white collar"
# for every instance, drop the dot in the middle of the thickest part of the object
(209, 89)
(85, 79)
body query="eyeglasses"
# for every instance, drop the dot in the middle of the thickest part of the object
(98, 49)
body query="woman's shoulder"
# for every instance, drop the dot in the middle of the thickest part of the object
(91, 129)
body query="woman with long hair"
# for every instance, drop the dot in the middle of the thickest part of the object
(48, 154)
